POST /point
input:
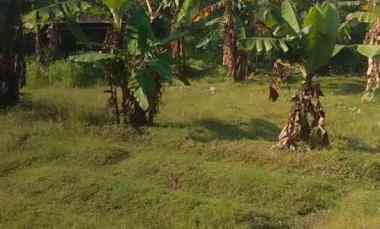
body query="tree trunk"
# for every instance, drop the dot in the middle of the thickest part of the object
(373, 72)
(231, 58)
(38, 48)
(178, 53)
(111, 42)
(12, 63)
(307, 119)
(242, 65)
(53, 42)
(47, 41)
(154, 100)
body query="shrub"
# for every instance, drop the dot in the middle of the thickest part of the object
(63, 73)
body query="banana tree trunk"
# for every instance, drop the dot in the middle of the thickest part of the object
(12, 63)
(242, 66)
(306, 120)
(178, 53)
(111, 43)
(117, 75)
(235, 60)
(230, 41)
(47, 41)
(373, 71)
(54, 40)
(37, 39)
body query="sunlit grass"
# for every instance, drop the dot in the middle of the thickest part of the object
(207, 163)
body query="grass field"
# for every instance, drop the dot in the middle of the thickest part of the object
(208, 162)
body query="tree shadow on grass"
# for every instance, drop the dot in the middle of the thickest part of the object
(55, 111)
(190, 73)
(268, 226)
(43, 109)
(357, 145)
(212, 129)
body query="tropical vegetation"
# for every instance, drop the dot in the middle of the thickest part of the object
(175, 114)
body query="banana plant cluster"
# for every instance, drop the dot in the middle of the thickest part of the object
(308, 46)
(12, 63)
(136, 62)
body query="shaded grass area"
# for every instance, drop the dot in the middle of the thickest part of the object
(207, 163)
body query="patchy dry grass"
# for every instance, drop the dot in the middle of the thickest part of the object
(208, 162)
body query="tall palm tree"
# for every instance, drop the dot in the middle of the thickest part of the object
(12, 64)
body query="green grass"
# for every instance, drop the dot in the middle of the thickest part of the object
(208, 162)
(63, 73)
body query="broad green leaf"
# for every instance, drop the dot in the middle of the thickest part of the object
(268, 45)
(348, 3)
(161, 67)
(187, 10)
(116, 8)
(204, 43)
(364, 17)
(337, 50)
(141, 28)
(259, 45)
(283, 46)
(142, 85)
(173, 37)
(320, 41)
(93, 57)
(189, 30)
(133, 47)
(240, 27)
(271, 18)
(136, 87)
(248, 44)
(369, 51)
(289, 14)
(116, 5)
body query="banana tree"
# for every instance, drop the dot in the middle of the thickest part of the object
(145, 66)
(135, 61)
(116, 71)
(127, 71)
(370, 14)
(234, 59)
(232, 30)
(12, 64)
(308, 47)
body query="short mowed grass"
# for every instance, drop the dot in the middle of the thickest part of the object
(208, 162)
